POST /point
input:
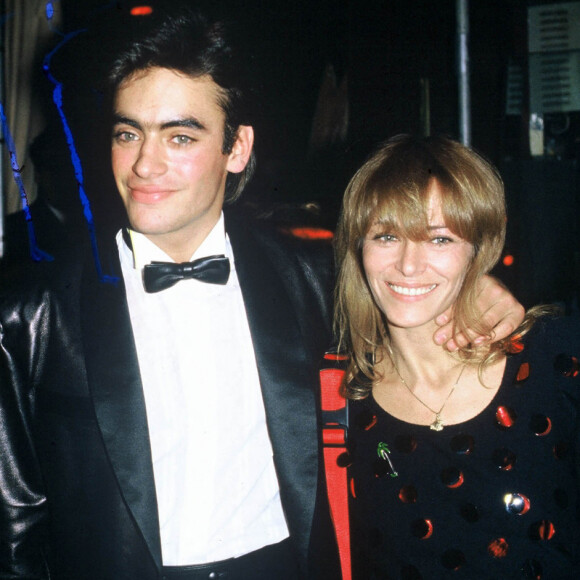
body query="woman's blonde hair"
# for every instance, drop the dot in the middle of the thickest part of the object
(392, 189)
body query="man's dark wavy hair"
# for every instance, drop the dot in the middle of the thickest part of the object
(188, 42)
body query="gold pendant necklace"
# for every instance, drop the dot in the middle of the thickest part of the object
(437, 424)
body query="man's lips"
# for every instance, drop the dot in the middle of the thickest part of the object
(142, 194)
(411, 290)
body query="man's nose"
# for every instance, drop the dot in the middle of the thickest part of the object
(150, 160)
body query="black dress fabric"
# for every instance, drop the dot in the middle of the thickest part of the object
(494, 497)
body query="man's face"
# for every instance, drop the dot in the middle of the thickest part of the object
(167, 157)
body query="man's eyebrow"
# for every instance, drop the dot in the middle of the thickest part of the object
(189, 123)
(120, 120)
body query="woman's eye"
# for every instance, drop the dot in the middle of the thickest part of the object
(386, 238)
(441, 240)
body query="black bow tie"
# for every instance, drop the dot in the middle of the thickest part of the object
(158, 276)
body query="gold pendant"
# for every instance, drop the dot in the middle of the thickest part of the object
(437, 425)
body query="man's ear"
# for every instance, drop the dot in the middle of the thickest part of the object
(242, 149)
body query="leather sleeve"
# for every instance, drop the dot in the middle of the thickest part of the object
(22, 501)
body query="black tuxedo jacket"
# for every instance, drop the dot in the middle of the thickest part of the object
(78, 495)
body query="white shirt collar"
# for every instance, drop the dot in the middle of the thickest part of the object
(145, 251)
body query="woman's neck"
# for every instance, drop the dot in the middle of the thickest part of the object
(413, 354)
(423, 384)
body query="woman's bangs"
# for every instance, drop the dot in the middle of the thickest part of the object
(404, 213)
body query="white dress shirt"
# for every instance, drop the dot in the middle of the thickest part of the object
(217, 491)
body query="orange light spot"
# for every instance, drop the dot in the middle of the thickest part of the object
(508, 260)
(312, 233)
(141, 10)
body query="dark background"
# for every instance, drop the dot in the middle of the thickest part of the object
(382, 50)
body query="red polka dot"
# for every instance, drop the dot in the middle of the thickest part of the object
(498, 548)
(523, 372)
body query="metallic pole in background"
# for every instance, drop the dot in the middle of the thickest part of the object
(462, 11)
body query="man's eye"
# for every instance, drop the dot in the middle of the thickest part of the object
(125, 136)
(182, 139)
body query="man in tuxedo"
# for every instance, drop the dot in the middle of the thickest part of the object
(164, 427)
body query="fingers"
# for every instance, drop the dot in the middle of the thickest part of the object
(500, 312)
(504, 317)
(444, 335)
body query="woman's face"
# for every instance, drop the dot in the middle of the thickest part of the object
(413, 282)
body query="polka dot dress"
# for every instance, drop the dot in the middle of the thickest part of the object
(492, 498)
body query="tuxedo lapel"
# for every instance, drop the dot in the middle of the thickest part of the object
(284, 373)
(115, 385)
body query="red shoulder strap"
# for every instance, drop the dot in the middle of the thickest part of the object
(334, 431)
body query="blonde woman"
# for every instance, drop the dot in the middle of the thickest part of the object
(463, 464)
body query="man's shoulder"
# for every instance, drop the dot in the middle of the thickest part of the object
(273, 262)
(299, 246)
